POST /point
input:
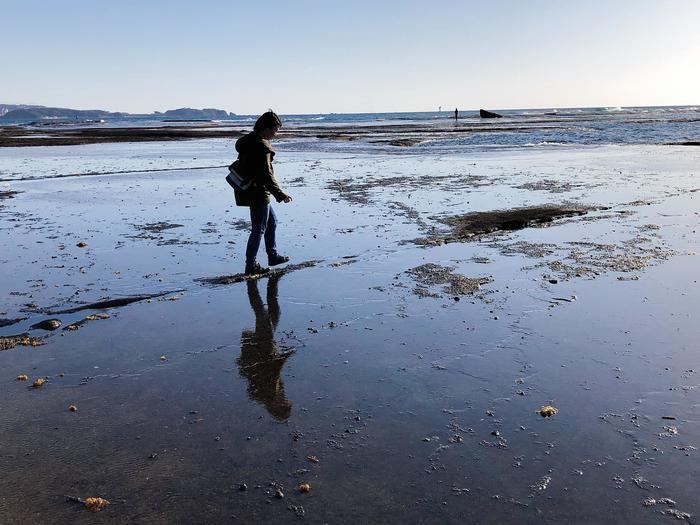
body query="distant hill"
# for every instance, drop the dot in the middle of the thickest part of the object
(17, 112)
(29, 113)
(190, 113)
(21, 114)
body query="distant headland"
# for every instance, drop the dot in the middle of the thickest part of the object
(26, 113)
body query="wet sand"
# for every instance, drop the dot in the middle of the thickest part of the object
(407, 360)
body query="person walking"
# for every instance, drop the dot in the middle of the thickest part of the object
(255, 156)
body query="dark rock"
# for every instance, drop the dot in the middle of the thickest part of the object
(488, 114)
(8, 322)
(47, 324)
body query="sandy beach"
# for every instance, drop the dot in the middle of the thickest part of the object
(433, 305)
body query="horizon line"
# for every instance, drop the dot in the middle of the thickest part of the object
(365, 112)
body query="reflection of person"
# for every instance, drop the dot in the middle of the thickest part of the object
(255, 157)
(260, 363)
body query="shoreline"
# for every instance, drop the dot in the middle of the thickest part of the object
(389, 359)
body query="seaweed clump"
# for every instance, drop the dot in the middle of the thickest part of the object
(466, 227)
(10, 341)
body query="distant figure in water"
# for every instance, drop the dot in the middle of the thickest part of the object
(456, 114)
(255, 156)
(260, 363)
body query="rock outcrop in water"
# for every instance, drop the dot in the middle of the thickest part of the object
(488, 114)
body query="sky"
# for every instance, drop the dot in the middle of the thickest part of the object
(309, 56)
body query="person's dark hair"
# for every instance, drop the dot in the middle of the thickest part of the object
(267, 120)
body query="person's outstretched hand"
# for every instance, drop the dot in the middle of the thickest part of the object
(287, 198)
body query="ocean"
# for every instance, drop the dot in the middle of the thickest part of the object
(417, 133)
(439, 131)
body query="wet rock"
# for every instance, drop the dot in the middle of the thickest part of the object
(22, 377)
(47, 324)
(8, 322)
(38, 383)
(240, 277)
(242, 487)
(112, 303)
(279, 494)
(81, 244)
(78, 324)
(72, 408)
(489, 114)
(304, 488)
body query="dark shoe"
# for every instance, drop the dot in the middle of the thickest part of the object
(276, 258)
(255, 269)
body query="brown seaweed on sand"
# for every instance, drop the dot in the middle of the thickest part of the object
(431, 274)
(470, 225)
(10, 341)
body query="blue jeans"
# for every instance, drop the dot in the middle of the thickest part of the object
(263, 222)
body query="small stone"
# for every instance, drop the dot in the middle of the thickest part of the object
(22, 377)
(72, 408)
(304, 488)
(81, 244)
(39, 382)
(553, 281)
(495, 433)
(279, 494)
(163, 358)
(242, 487)
(312, 459)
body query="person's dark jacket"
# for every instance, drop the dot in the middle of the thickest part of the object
(255, 157)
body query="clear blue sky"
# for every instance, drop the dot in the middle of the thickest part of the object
(308, 56)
